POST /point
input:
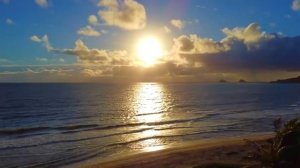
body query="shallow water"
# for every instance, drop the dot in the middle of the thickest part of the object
(48, 125)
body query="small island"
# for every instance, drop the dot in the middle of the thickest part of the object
(242, 81)
(222, 81)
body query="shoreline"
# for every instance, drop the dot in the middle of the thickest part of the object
(229, 150)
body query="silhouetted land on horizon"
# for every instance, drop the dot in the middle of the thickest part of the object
(290, 80)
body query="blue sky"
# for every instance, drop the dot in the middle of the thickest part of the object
(61, 20)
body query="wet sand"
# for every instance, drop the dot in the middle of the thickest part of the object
(234, 151)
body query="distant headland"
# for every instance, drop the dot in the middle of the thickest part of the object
(289, 80)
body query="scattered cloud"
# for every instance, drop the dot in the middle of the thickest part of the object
(166, 29)
(37, 74)
(35, 39)
(88, 31)
(296, 5)
(92, 20)
(243, 51)
(249, 34)
(179, 24)
(127, 14)
(42, 3)
(9, 21)
(89, 56)
(44, 40)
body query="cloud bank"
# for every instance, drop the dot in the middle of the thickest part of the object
(243, 49)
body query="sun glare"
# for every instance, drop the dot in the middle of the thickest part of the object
(149, 51)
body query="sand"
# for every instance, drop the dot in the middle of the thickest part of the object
(234, 151)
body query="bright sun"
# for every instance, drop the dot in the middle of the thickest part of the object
(149, 50)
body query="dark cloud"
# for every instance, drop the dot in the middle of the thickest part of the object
(245, 49)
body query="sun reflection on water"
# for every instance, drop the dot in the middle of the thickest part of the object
(149, 107)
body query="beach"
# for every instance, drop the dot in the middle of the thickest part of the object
(233, 152)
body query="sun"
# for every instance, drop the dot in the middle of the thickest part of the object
(149, 50)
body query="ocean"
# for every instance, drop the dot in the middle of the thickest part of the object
(52, 125)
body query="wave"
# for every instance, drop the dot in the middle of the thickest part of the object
(39, 129)
(91, 127)
(74, 140)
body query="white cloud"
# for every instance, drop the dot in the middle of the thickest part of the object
(42, 3)
(44, 40)
(9, 21)
(296, 5)
(250, 34)
(35, 39)
(88, 31)
(93, 20)
(91, 56)
(166, 29)
(179, 24)
(127, 14)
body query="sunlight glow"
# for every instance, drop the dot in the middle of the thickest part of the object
(150, 106)
(150, 103)
(149, 50)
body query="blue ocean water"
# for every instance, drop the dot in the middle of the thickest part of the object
(50, 125)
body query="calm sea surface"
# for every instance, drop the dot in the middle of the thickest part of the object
(49, 125)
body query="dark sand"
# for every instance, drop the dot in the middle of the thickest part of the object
(230, 151)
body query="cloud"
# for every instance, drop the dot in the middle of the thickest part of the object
(41, 74)
(44, 40)
(92, 20)
(193, 44)
(127, 14)
(296, 5)
(9, 21)
(35, 38)
(179, 24)
(250, 34)
(166, 29)
(42, 3)
(88, 31)
(243, 49)
(89, 56)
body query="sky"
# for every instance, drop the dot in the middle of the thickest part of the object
(198, 40)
